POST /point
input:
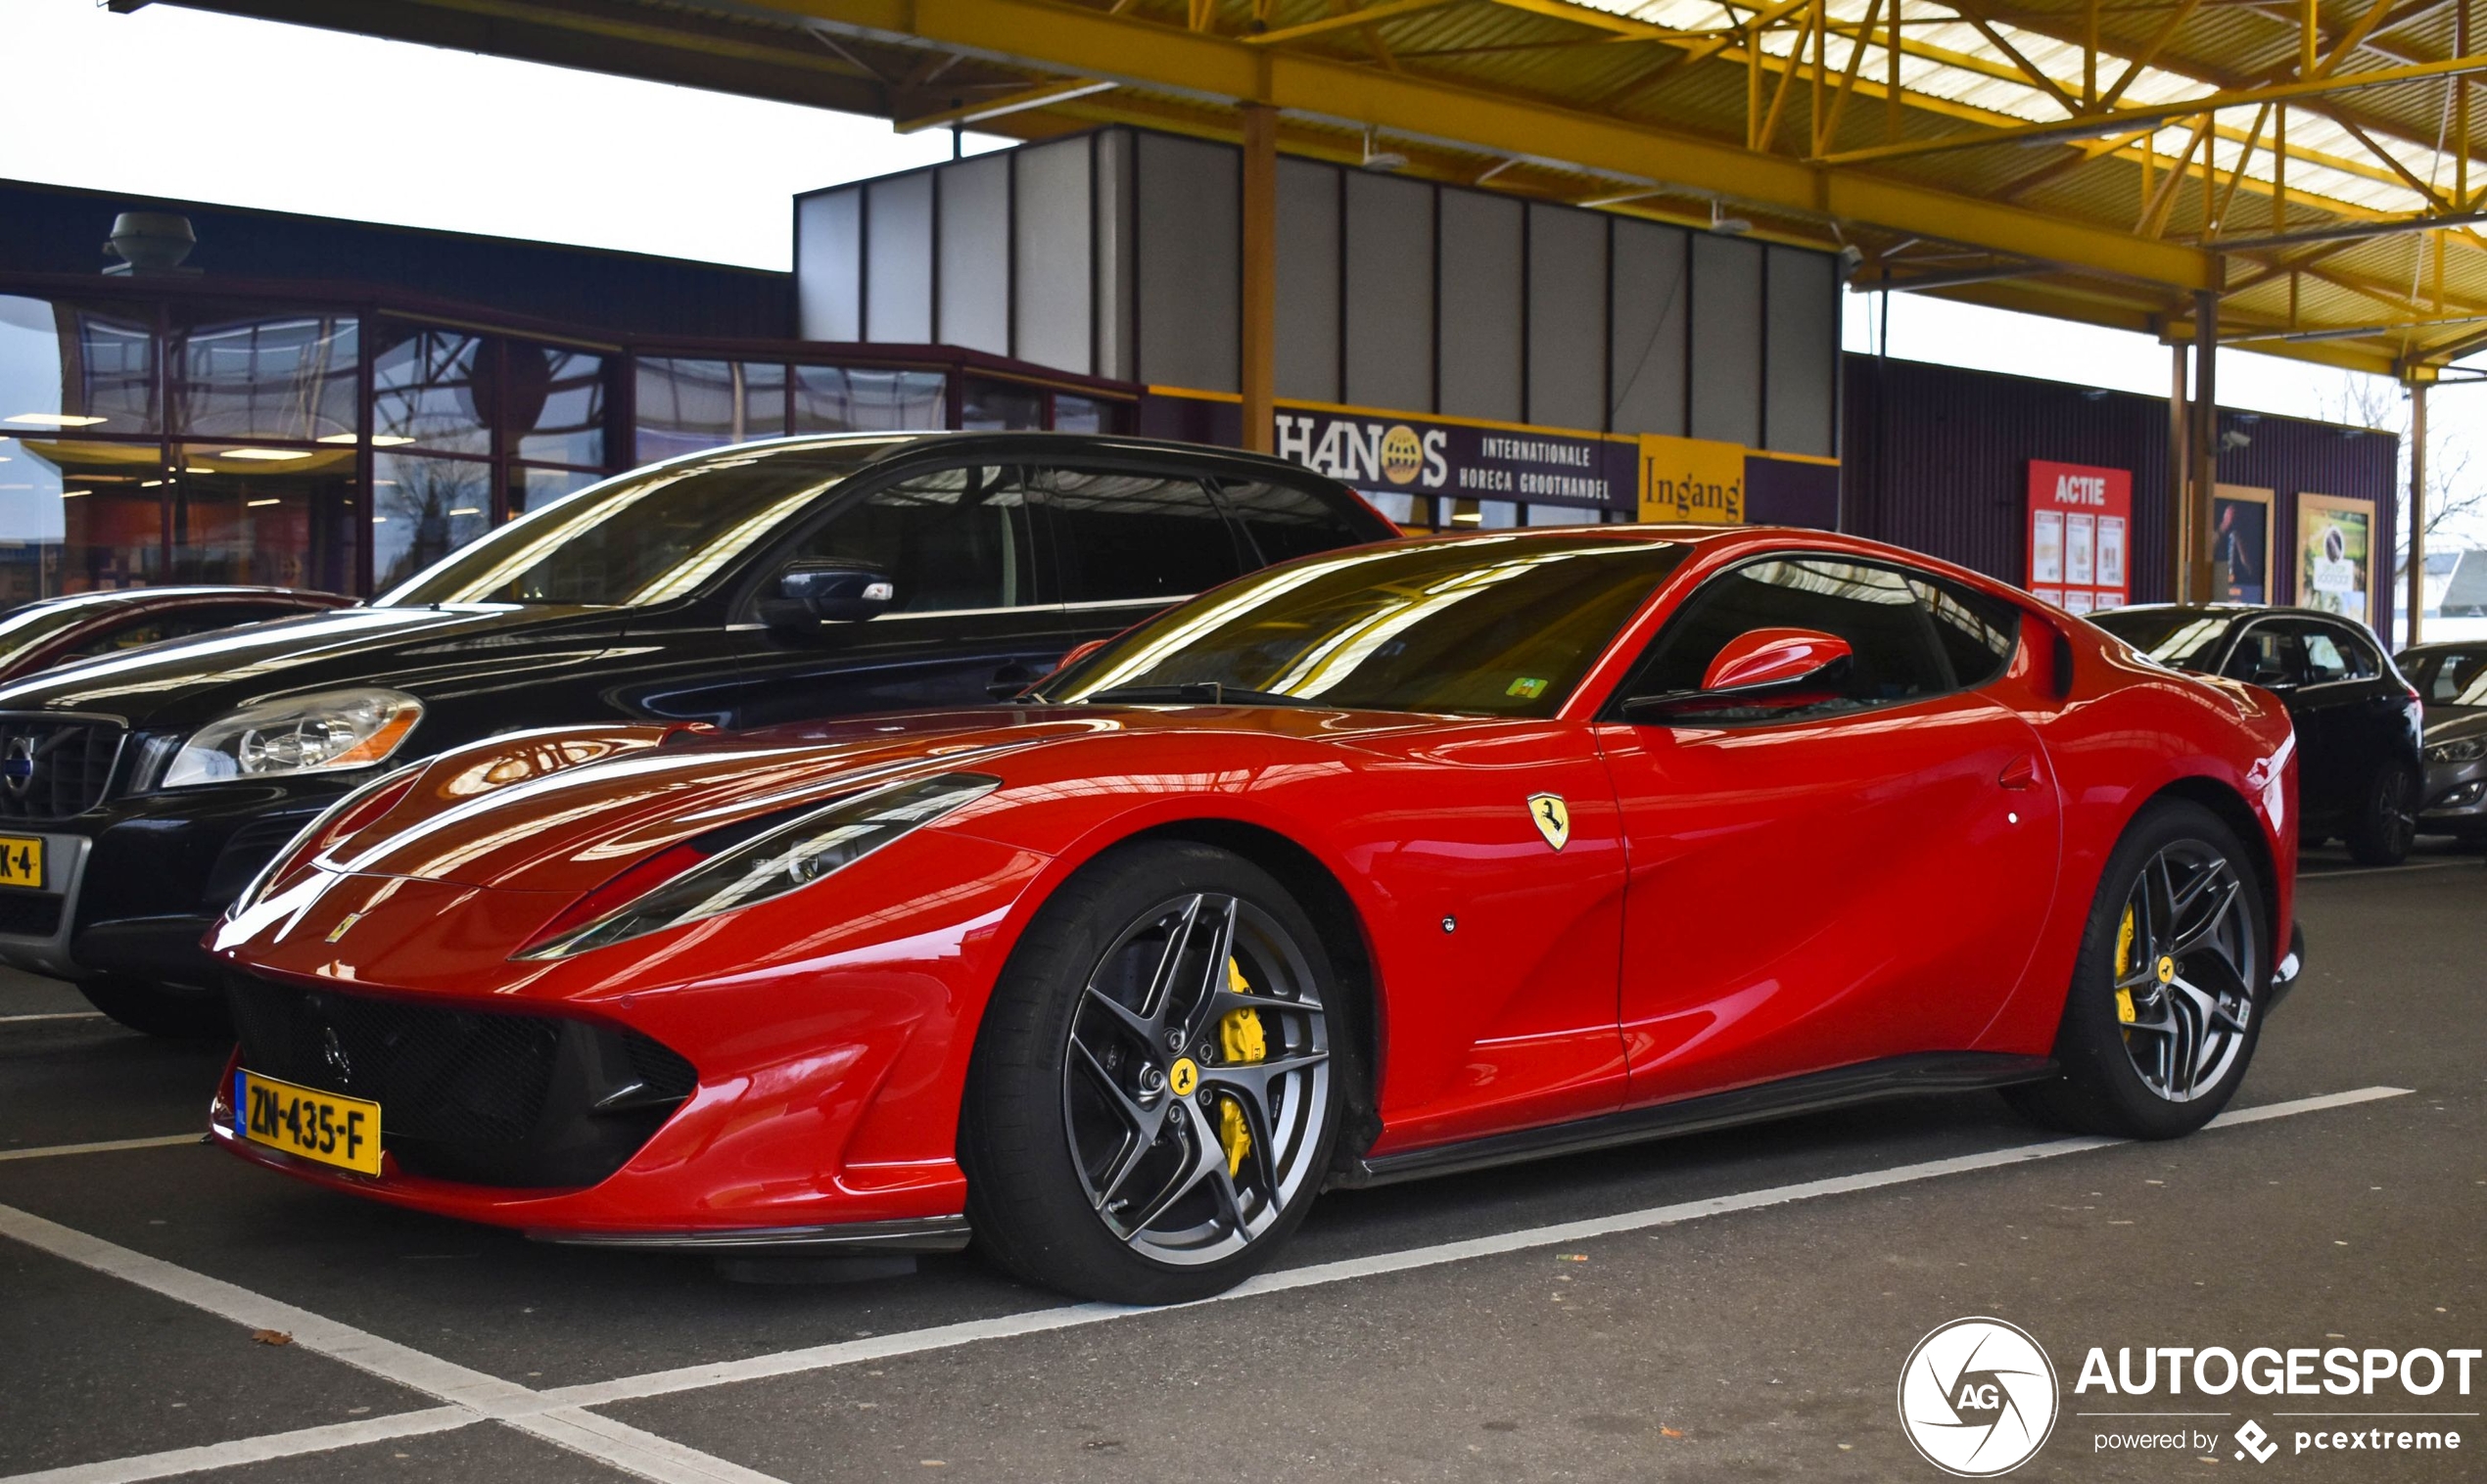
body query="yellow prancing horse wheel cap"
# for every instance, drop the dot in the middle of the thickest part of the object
(1183, 1076)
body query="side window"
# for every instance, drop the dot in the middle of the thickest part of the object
(2266, 655)
(1284, 522)
(950, 538)
(1128, 538)
(2325, 663)
(2356, 654)
(1977, 633)
(1875, 609)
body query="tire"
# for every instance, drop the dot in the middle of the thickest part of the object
(1089, 1169)
(158, 1009)
(2170, 1063)
(2387, 823)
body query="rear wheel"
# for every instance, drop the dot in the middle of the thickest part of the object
(2165, 1006)
(160, 1009)
(2387, 824)
(1156, 1087)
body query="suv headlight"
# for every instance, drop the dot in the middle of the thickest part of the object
(323, 732)
(685, 884)
(2460, 750)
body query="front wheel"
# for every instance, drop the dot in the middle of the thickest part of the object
(1157, 1085)
(2166, 1001)
(2387, 827)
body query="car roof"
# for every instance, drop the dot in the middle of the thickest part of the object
(1027, 443)
(116, 597)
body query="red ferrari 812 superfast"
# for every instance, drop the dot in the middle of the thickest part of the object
(1389, 862)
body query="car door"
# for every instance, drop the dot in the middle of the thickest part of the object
(1128, 542)
(1838, 883)
(970, 620)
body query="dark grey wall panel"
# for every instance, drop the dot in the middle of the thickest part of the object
(1567, 317)
(1187, 235)
(899, 259)
(1804, 351)
(1480, 321)
(1651, 314)
(1114, 292)
(1050, 232)
(828, 267)
(1307, 281)
(1389, 308)
(1726, 351)
(975, 298)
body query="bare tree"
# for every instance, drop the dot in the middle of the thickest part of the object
(2455, 496)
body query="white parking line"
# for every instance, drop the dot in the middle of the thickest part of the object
(479, 1396)
(259, 1450)
(559, 1414)
(2385, 870)
(18, 1020)
(54, 1151)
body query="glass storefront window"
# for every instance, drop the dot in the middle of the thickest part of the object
(534, 489)
(424, 392)
(422, 509)
(852, 399)
(290, 526)
(290, 378)
(1085, 414)
(556, 403)
(991, 406)
(685, 406)
(67, 368)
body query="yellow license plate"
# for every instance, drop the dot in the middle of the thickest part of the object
(22, 861)
(344, 1131)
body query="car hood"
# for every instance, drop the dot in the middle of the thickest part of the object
(583, 805)
(2471, 723)
(425, 651)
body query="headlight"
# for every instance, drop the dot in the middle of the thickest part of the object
(683, 885)
(2463, 750)
(300, 734)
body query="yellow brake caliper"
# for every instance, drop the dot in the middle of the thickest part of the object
(1240, 1041)
(2124, 966)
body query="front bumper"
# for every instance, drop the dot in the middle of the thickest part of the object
(2454, 799)
(2290, 968)
(136, 882)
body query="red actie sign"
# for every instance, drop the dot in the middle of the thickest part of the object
(2081, 535)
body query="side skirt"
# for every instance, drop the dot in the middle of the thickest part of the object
(1812, 1092)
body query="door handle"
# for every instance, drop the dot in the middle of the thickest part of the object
(2020, 773)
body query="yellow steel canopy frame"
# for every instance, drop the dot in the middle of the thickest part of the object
(2310, 162)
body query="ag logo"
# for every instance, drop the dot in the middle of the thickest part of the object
(1402, 454)
(1977, 1397)
(1553, 818)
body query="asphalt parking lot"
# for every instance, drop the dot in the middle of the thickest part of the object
(1728, 1307)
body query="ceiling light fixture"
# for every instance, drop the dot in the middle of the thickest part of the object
(71, 494)
(55, 420)
(1380, 159)
(266, 455)
(255, 504)
(467, 510)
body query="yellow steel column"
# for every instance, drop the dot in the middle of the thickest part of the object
(1259, 357)
(2417, 514)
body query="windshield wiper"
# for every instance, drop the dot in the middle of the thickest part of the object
(1194, 693)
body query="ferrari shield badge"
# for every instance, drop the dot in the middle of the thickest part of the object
(1552, 818)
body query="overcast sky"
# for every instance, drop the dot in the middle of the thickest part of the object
(174, 102)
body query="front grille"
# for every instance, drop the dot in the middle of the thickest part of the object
(52, 768)
(491, 1098)
(30, 914)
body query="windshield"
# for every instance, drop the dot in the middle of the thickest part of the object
(2184, 637)
(643, 538)
(24, 629)
(1502, 626)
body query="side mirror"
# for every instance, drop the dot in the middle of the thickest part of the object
(814, 591)
(1760, 668)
